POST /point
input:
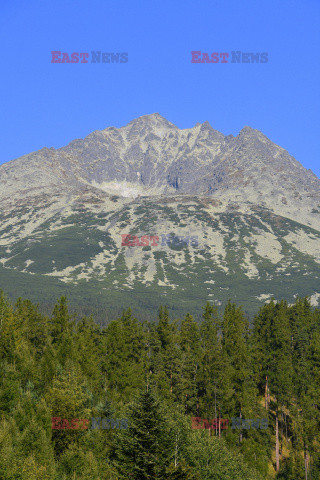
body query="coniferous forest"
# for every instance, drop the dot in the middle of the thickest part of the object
(190, 395)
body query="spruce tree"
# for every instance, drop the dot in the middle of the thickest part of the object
(144, 450)
(215, 370)
(234, 345)
(189, 367)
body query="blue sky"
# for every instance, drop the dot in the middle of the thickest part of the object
(46, 104)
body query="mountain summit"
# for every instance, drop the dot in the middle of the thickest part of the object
(155, 157)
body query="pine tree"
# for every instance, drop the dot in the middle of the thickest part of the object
(68, 398)
(164, 329)
(125, 363)
(234, 345)
(165, 356)
(215, 370)
(189, 367)
(144, 451)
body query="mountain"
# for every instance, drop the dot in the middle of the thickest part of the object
(252, 209)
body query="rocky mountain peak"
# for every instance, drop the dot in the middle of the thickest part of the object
(151, 156)
(154, 120)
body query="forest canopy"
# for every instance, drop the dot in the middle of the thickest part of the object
(159, 375)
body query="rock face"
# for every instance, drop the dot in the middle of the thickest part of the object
(254, 209)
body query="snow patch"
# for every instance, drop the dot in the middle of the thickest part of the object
(123, 188)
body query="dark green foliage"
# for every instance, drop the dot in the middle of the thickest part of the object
(145, 449)
(63, 366)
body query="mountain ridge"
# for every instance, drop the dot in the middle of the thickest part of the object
(254, 208)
